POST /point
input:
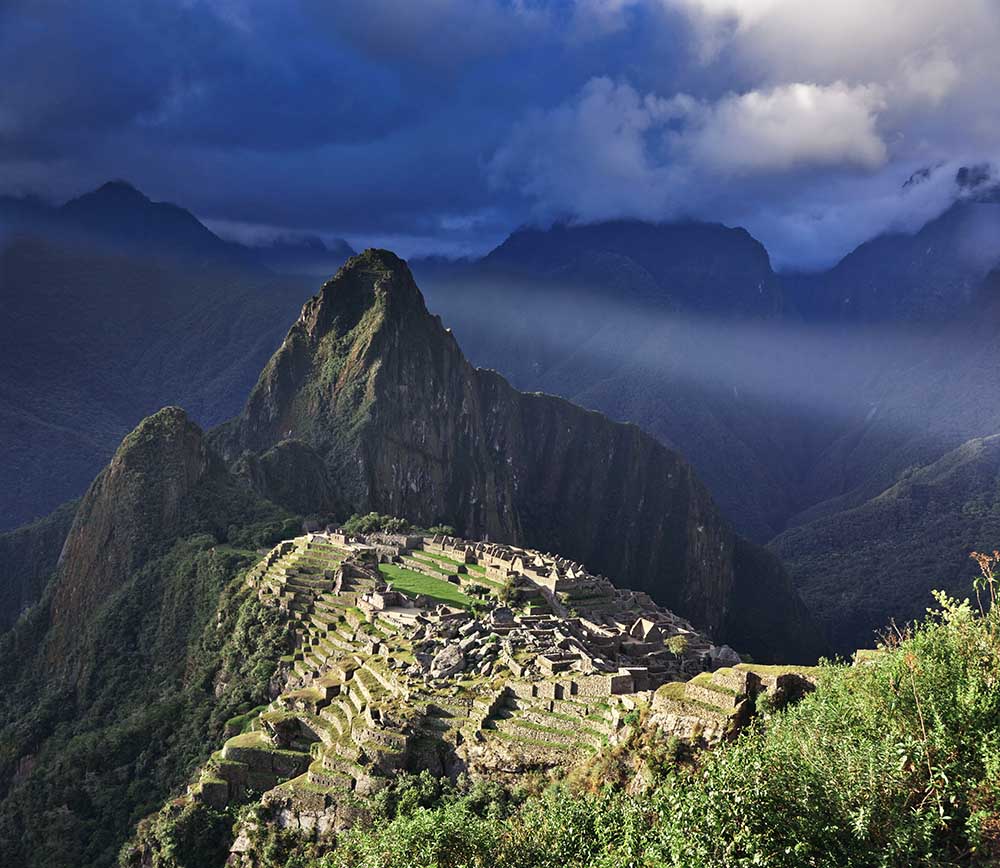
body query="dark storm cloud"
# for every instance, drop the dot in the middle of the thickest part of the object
(195, 72)
(457, 120)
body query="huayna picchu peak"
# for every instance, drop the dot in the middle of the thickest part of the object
(376, 387)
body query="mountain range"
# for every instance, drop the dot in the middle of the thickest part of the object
(808, 400)
(798, 399)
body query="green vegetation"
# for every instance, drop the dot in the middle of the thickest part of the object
(170, 657)
(373, 522)
(766, 670)
(912, 536)
(410, 582)
(193, 835)
(443, 559)
(441, 530)
(677, 645)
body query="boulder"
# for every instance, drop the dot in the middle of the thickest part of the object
(448, 661)
(469, 641)
(723, 655)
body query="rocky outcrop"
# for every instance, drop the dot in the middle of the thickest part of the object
(716, 706)
(376, 385)
(163, 483)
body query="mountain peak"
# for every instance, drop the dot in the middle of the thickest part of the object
(373, 279)
(119, 214)
(165, 424)
(121, 189)
(112, 196)
(702, 267)
(368, 318)
(163, 484)
(377, 260)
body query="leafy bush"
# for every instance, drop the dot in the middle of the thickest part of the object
(192, 835)
(441, 530)
(677, 645)
(888, 764)
(373, 522)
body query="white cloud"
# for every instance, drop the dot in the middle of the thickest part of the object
(613, 151)
(846, 39)
(790, 127)
(592, 157)
(717, 22)
(798, 119)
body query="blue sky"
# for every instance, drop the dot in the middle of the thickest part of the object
(444, 124)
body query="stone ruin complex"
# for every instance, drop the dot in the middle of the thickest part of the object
(453, 656)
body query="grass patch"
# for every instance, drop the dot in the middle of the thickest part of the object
(254, 738)
(704, 679)
(241, 722)
(410, 582)
(671, 690)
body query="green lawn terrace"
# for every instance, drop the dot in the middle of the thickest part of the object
(435, 653)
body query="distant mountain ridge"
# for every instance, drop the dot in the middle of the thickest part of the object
(688, 265)
(792, 404)
(119, 216)
(932, 274)
(118, 213)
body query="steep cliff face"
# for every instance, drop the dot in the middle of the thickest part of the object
(380, 389)
(293, 473)
(133, 503)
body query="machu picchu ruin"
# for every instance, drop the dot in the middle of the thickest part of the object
(453, 656)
